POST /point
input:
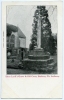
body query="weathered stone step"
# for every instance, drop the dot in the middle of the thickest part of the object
(31, 63)
(39, 52)
(51, 66)
(39, 64)
(39, 57)
(36, 52)
(51, 60)
(34, 63)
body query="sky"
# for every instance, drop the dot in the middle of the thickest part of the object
(22, 16)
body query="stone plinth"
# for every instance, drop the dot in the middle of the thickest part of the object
(39, 52)
(39, 61)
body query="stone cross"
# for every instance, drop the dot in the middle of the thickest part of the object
(39, 32)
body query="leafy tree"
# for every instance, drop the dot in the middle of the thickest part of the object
(47, 40)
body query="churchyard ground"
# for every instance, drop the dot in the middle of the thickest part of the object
(23, 71)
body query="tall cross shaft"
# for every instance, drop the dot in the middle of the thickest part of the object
(39, 32)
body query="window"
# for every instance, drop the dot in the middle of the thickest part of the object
(7, 44)
(12, 38)
(8, 39)
(14, 52)
(12, 45)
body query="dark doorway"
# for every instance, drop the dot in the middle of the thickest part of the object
(22, 53)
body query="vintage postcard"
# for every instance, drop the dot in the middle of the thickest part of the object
(32, 50)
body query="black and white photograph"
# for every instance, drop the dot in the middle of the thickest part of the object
(31, 39)
(32, 54)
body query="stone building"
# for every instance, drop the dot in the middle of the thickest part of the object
(16, 41)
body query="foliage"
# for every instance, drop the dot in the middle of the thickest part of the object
(47, 40)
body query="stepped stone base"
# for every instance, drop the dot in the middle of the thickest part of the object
(39, 61)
